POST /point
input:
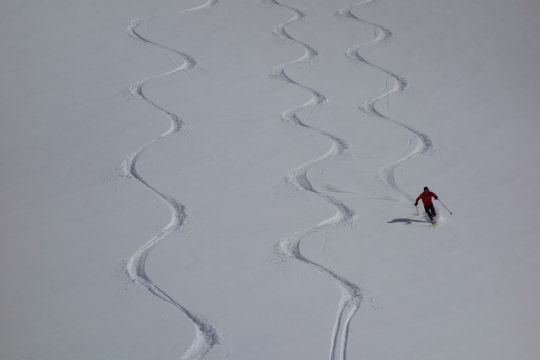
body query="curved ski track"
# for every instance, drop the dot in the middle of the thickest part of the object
(289, 247)
(425, 144)
(206, 335)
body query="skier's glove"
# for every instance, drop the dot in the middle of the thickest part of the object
(415, 204)
(436, 198)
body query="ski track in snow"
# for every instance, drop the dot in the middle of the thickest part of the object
(425, 144)
(289, 247)
(206, 335)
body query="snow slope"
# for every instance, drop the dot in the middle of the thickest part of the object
(210, 179)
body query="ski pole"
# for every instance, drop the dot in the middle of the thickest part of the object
(417, 212)
(445, 206)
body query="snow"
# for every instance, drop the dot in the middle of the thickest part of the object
(235, 179)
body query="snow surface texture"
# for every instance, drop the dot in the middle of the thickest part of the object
(250, 194)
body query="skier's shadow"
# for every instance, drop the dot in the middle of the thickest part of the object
(407, 221)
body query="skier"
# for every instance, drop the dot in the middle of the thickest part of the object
(428, 204)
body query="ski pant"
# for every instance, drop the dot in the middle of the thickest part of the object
(430, 210)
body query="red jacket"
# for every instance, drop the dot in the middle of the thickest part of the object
(426, 197)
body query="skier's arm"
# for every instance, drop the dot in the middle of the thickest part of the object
(418, 198)
(434, 195)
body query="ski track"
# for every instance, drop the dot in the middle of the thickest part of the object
(206, 335)
(425, 144)
(289, 247)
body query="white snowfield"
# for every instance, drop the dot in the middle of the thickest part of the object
(236, 179)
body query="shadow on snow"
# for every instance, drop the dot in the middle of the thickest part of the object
(407, 221)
